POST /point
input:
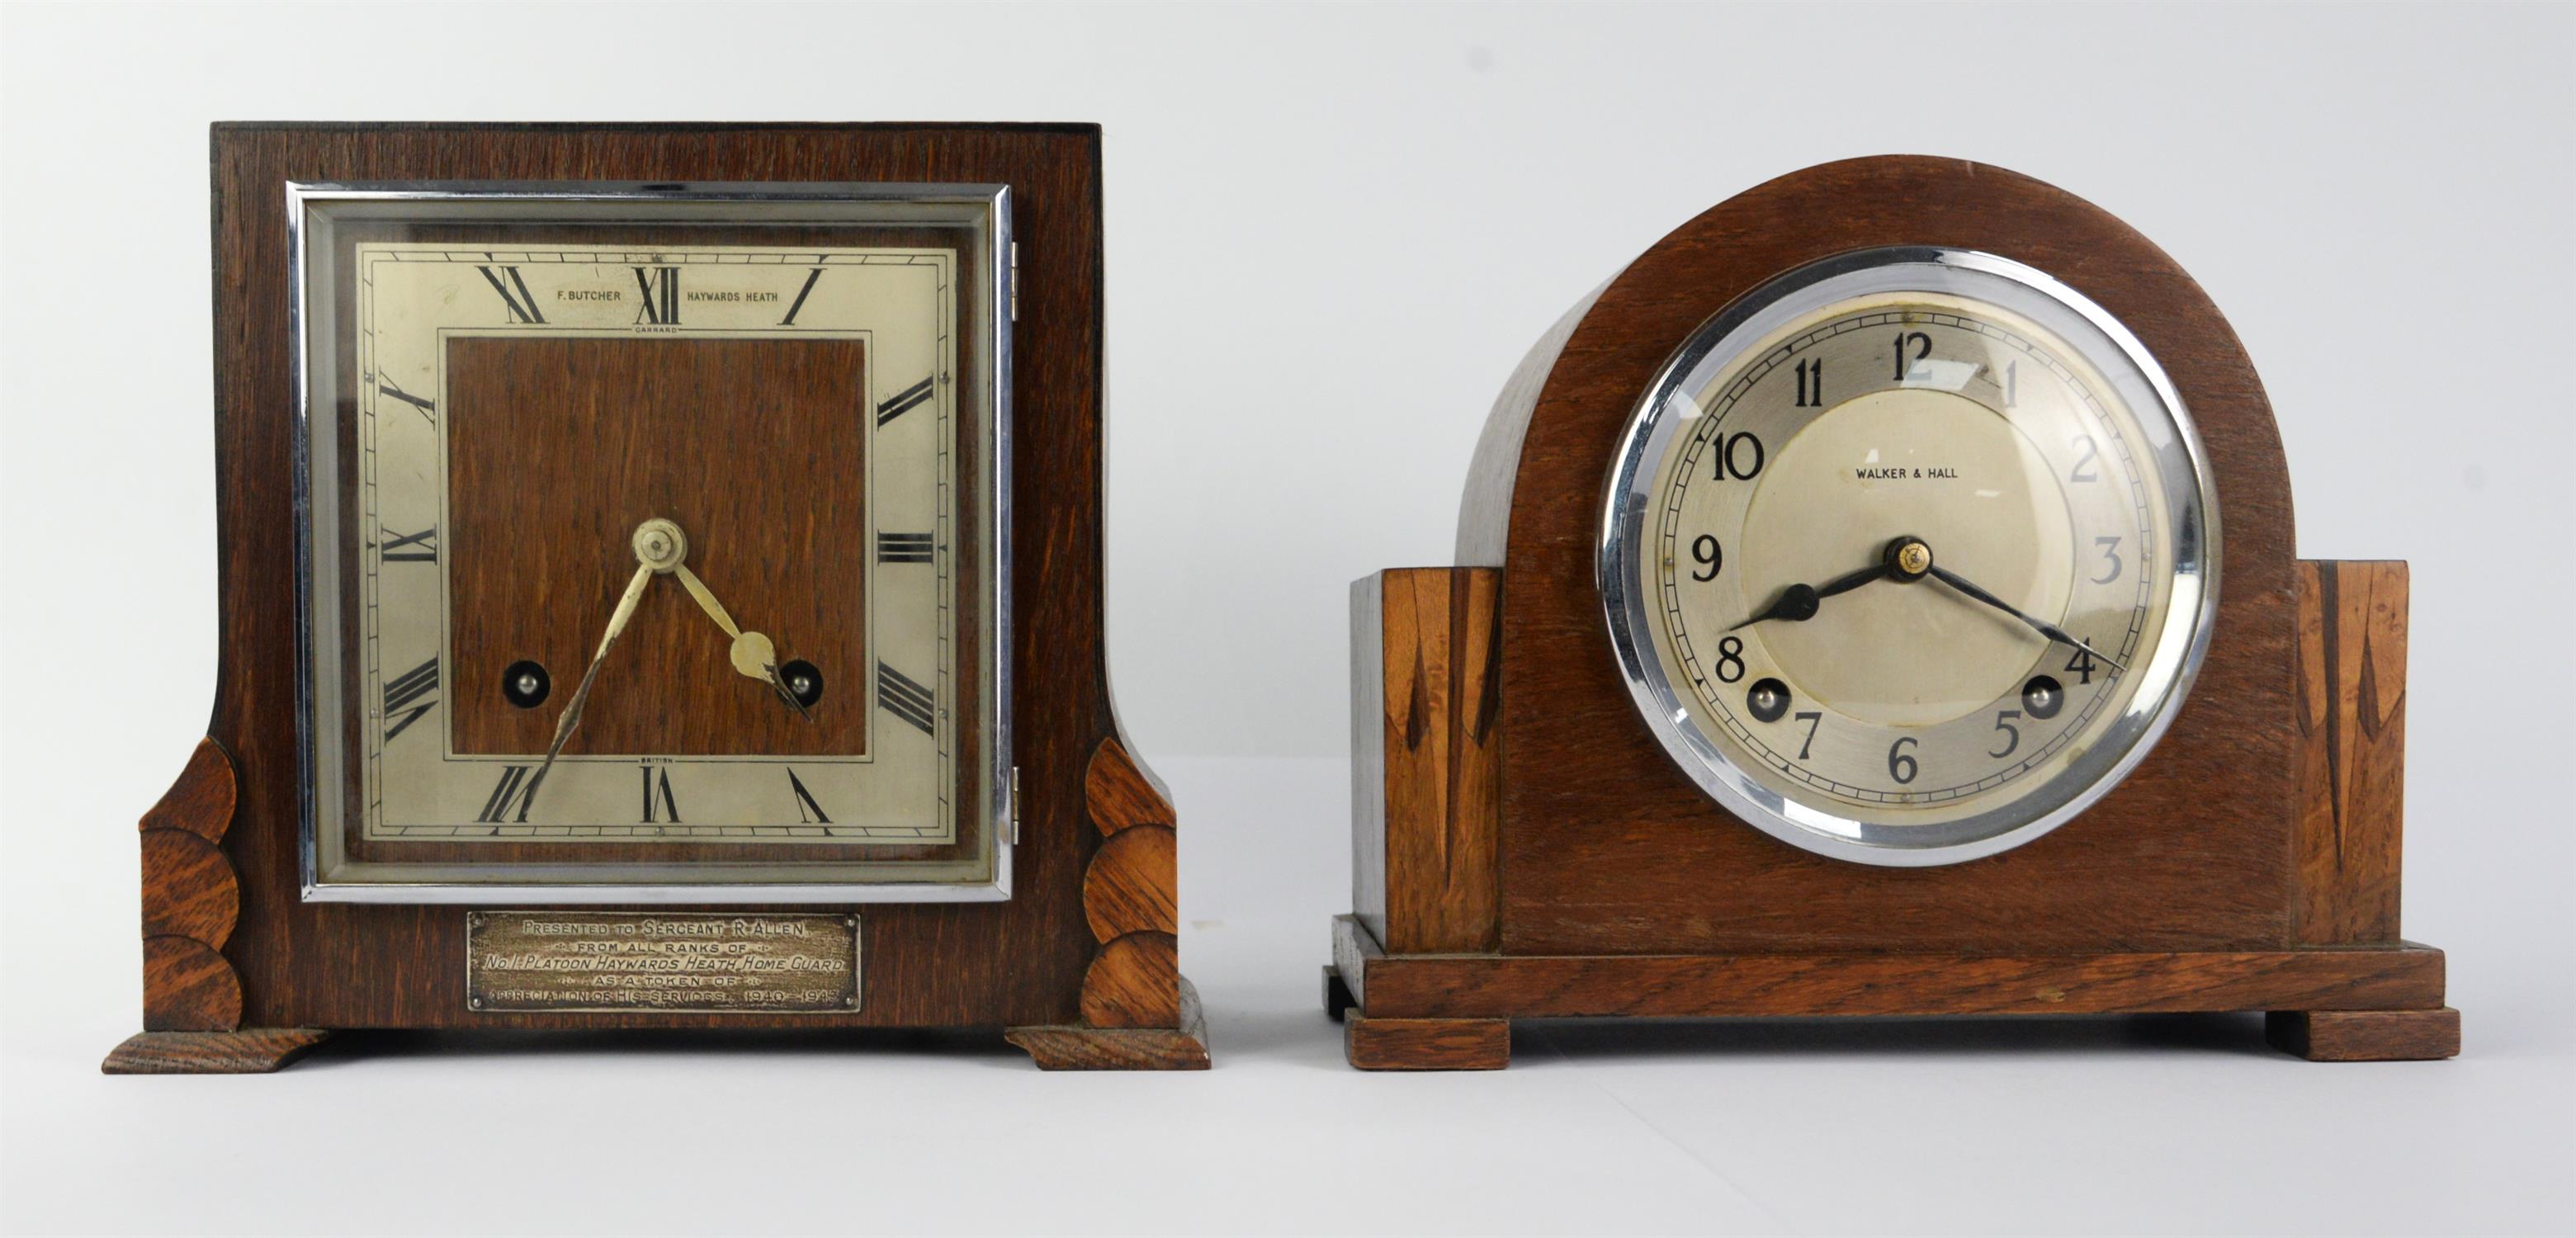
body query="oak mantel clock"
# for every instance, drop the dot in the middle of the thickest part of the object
(1880, 599)
(622, 623)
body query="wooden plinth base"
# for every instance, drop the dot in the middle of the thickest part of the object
(259, 1051)
(1075, 1047)
(251, 1051)
(1450, 1011)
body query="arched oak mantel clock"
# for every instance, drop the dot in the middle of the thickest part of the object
(660, 588)
(1880, 599)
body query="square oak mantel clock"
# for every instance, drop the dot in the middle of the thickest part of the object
(622, 624)
(1840, 628)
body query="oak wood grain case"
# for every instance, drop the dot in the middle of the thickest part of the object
(1084, 962)
(1525, 847)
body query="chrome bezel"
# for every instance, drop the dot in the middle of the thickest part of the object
(2166, 675)
(984, 208)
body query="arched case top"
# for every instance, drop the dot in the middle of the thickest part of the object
(2193, 850)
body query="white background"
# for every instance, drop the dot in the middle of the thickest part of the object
(1332, 232)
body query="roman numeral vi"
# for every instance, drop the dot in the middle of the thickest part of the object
(669, 806)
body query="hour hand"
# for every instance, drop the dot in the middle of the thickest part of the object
(1798, 603)
(752, 653)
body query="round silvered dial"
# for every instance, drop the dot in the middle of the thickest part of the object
(1909, 555)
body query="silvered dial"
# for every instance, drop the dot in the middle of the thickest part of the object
(422, 306)
(1908, 555)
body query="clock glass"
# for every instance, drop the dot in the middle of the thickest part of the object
(655, 540)
(1910, 555)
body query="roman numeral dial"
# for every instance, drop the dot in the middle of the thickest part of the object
(408, 696)
(809, 428)
(660, 287)
(904, 547)
(910, 398)
(511, 796)
(421, 547)
(515, 297)
(897, 694)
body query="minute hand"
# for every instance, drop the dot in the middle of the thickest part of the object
(2041, 626)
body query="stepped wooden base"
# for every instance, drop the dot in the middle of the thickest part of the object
(1076, 1047)
(259, 1051)
(251, 1051)
(1451, 1011)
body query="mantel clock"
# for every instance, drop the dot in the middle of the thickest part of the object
(622, 625)
(1879, 598)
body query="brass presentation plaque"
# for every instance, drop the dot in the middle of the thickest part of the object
(771, 963)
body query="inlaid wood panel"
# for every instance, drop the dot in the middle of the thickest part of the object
(1428, 700)
(2352, 749)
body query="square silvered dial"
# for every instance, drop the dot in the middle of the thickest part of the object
(654, 542)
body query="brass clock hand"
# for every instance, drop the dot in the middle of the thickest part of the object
(2041, 626)
(752, 653)
(1798, 603)
(571, 716)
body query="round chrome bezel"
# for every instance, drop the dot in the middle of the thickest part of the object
(2165, 425)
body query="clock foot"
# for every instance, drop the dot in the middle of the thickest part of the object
(1337, 995)
(2365, 1035)
(1076, 1047)
(250, 1051)
(1426, 1044)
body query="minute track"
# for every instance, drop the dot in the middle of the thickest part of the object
(882, 778)
(1790, 604)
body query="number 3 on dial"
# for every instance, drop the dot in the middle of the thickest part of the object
(1846, 609)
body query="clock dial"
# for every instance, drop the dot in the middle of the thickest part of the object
(779, 413)
(1915, 557)
(654, 542)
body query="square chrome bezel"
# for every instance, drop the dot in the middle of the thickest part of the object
(984, 209)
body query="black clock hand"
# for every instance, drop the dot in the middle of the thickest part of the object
(1798, 603)
(2041, 626)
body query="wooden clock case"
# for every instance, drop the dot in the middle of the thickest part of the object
(1080, 965)
(1524, 847)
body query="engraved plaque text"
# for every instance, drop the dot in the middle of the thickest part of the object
(773, 963)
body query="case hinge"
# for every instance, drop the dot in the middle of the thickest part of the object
(1015, 805)
(1015, 289)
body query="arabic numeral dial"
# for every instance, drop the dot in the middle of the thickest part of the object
(1916, 559)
